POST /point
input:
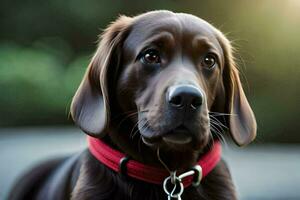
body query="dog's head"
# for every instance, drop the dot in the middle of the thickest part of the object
(169, 77)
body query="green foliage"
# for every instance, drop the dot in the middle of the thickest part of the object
(35, 86)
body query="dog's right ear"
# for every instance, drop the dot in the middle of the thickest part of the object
(241, 119)
(90, 105)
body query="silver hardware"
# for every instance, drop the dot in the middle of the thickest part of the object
(172, 194)
(188, 173)
(177, 181)
(197, 179)
(173, 177)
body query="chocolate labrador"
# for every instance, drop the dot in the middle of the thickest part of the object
(159, 81)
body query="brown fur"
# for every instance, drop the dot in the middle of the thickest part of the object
(117, 94)
(122, 99)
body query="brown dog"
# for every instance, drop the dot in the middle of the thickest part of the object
(158, 80)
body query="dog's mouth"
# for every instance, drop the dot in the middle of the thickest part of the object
(176, 148)
(177, 136)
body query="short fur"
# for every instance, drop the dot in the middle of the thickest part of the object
(119, 94)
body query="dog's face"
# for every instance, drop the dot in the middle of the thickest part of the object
(171, 71)
(165, 73)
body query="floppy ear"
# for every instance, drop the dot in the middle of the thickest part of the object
(90, 105)
(242, 123)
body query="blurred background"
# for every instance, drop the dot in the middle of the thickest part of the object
(45, 47)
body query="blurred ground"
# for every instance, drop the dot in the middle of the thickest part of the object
(261, 172)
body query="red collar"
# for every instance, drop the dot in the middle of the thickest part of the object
(111, 158)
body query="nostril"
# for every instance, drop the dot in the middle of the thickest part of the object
(196, 102)
(176, 101)
(185, 96)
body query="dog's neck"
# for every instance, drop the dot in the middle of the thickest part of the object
(120, 162)
(137, 150)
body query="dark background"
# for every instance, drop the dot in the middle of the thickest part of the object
(45, 47)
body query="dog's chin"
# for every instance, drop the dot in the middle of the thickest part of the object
(177, 139)
(178, 148)
(177, 155)
(175, 142)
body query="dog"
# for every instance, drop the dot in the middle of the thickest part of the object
(161, 88)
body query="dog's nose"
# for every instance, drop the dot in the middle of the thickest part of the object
(185, 96)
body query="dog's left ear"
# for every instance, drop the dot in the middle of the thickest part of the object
(242, 123)
(90, 108)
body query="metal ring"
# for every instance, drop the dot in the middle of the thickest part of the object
(170, 193)
(197, 176)
(122, 165)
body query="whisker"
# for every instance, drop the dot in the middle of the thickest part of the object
(218, 134)
(217, 121)
(137, 130)
(145, 126)
(212, 143)
(220, 114)
(125, 118)
(218, 124)
(222, 139)
(128, 116)
(216, 129)
(131, 135)
(124, 113)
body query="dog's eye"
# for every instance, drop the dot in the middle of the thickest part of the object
(209, 61)
(151, 56)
